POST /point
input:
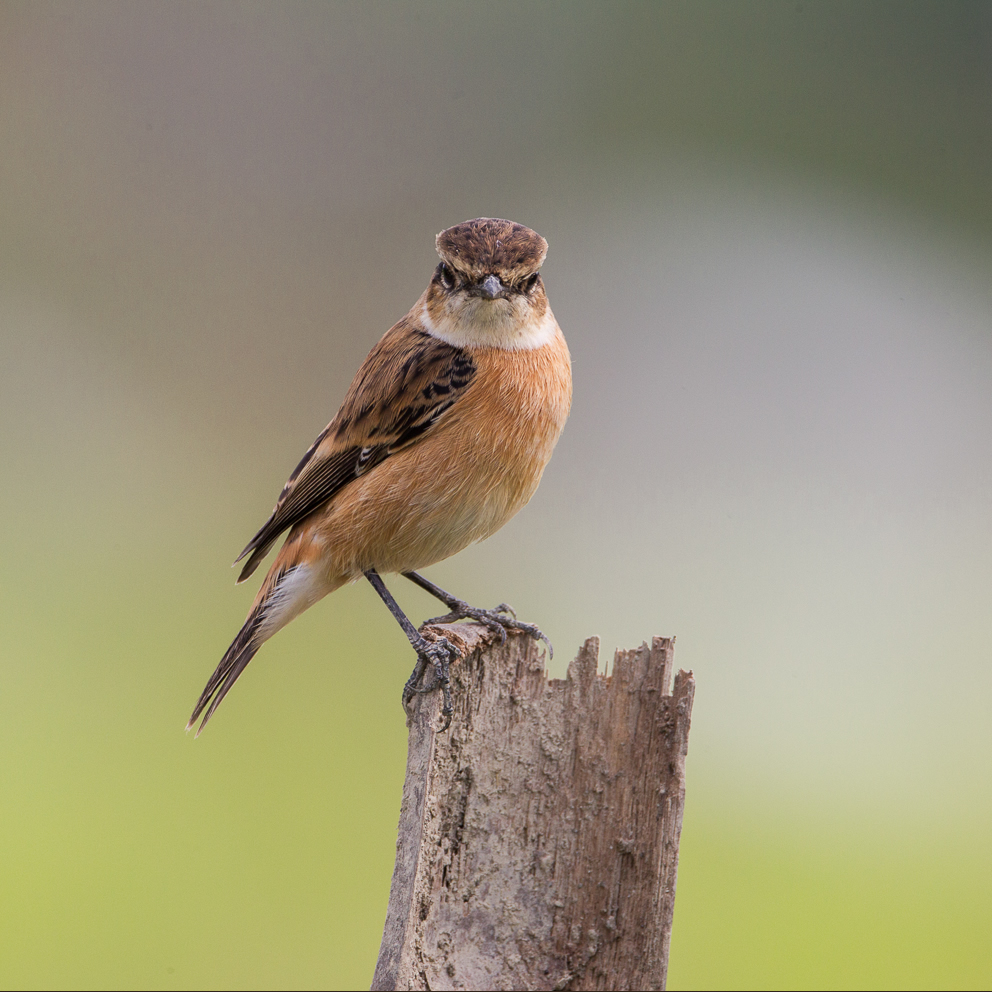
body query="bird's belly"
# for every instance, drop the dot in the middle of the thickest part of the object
(423, 505)
(426, 503)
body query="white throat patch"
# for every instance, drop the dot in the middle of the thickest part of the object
(487, 327)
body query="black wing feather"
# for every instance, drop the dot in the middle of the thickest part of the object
(315, 489)
(447, 372)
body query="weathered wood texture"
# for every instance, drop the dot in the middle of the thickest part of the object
(538, 838)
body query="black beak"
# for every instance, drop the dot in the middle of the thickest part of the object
(491, 287)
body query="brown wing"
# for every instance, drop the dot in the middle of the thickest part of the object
(403, 388)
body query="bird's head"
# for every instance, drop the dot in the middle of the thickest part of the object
(487, 289)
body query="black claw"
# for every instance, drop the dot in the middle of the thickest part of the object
(447, 618)
(495, 620)
(551, 647)
(499, 620)
(441, 656)
(486, 617)
(437, 657)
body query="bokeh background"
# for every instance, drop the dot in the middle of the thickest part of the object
(771, 250)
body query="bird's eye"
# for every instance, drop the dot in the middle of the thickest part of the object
(446, 276)
(531, 282)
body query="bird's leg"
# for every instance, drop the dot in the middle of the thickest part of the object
(500, 620)
(438, 654)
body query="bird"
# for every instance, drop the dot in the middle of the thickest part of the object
(443, 435)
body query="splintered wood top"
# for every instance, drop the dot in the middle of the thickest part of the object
(538, 838)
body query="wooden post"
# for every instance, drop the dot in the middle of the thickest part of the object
(538, 837)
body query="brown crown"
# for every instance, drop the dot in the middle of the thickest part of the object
(488, 244)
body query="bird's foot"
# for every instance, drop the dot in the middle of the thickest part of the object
(500, 620)
(436, 656)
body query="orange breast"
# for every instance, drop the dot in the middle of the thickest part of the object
(464, 480)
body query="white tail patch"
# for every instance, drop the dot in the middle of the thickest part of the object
(295, 592)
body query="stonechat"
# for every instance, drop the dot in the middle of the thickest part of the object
(442, 437)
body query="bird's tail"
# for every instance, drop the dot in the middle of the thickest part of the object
(235, 660)
(290, 587)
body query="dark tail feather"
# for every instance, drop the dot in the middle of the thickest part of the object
(234, 662)
(257, 554)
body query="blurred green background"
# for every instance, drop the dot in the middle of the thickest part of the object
(771, 250)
